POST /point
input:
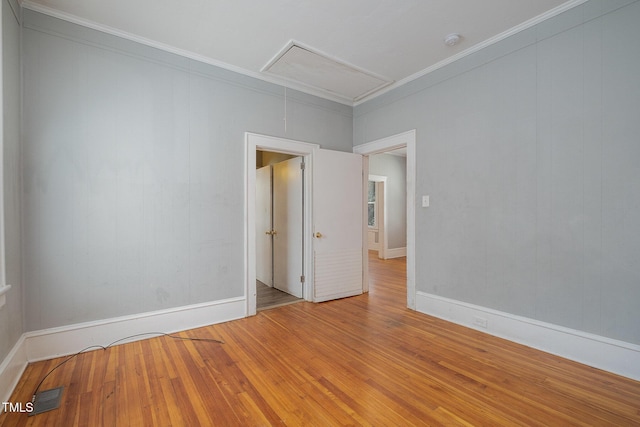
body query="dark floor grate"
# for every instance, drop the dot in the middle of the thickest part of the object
(46, 400)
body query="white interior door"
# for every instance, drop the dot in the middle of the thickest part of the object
(287, 225)
(338, 224)
(264, 254)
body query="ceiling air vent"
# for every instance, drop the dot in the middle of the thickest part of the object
(305, 66)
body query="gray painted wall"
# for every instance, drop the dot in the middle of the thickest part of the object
(395, 169)
(133, 172)
(530, 151)
(11, 315)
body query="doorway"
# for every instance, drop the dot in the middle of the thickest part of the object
(332, 255)
(254, 144)
(376, 213)
(402, 144)
(279, 229)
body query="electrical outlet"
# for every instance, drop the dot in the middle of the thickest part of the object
(479, 321)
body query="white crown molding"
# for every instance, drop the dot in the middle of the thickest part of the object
(28, 4)
(475, 48)
(600, 352)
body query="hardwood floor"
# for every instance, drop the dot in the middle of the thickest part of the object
(365, 360)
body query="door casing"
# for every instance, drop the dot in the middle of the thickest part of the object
(255, 142)
(405, 139)
(264, 207)
(381, 182)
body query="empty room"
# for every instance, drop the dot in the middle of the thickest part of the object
(320, 213)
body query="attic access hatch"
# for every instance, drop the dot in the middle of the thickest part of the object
(314, 70)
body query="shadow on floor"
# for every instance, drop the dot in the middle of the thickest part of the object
(269, 297)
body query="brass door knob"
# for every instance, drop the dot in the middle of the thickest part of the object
(318, 235)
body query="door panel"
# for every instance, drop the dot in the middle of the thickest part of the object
(338, 224)
(264, 256)
(287, 224)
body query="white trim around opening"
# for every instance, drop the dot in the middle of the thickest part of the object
(255, 142)
(408, 140)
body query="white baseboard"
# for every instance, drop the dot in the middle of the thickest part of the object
(395, 253)
(615, 356)
(66, 340)
(62, 341)
(11, 369)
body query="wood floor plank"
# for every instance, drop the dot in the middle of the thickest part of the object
(365, 360)
(106, 403)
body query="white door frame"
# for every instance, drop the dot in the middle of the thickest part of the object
(381, 200)
(405, 139)
(255, 142)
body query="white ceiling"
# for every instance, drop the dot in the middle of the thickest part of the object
(392, 40)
